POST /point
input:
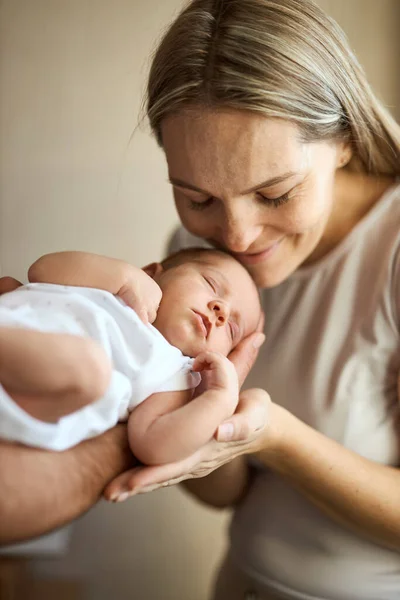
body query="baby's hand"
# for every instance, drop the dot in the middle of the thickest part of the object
(143, 294)
(219, 373)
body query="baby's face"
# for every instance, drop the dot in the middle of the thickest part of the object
(207, 304)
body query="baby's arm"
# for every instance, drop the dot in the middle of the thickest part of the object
(83, 269)
(168, 426)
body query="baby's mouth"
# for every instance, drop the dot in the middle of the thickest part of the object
(203, 322)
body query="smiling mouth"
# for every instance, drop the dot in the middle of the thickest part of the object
(203, 323)
(255, 257)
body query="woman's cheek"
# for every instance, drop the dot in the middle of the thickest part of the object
(194, 221)
(308, 213)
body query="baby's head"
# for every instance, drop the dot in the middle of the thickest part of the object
(209, 301)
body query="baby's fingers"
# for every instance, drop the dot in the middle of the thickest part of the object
(207, 361)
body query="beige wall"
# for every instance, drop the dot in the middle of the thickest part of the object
(71, 76)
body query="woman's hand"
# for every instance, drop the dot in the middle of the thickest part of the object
(249, 421)
(243, 433)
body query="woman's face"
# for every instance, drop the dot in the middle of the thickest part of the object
(248, 184)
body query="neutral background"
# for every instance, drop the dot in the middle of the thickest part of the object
(72, 74)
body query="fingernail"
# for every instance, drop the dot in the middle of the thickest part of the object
(225, 432)
(149, 488)
(258, 340)
(122, 497)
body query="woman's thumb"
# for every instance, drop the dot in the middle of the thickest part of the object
(245, 354)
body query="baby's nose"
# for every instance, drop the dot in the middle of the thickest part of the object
(220, 310)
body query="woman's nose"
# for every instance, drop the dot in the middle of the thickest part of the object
(220, 310)
(239, 231)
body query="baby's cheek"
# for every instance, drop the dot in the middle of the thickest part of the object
(221, 345)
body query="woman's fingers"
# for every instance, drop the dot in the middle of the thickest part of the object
(251, 415)
(120, 486)
(246, 435)
(245, 354)
(145, 479)
(8, 284)
(261, 323)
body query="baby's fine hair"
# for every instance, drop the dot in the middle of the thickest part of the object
(191, 254)
(200, 255)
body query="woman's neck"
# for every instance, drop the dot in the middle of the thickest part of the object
(354, 196)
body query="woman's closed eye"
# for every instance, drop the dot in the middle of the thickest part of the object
(208, 202)
(200, 204)
(275, 202)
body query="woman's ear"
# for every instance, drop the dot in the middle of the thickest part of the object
(153, 270)
(344, 155)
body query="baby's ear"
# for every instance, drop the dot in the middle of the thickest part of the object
(153, 270)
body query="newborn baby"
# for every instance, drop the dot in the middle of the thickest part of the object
(202, 304)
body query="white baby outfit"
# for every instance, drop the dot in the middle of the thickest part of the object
(144, 362)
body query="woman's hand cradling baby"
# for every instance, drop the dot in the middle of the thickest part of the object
(243, 433)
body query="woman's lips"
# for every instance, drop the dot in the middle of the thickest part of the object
(257, 257)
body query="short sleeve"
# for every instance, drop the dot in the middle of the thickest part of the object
(184, 379)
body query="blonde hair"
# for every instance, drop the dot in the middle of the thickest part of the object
(282, 58)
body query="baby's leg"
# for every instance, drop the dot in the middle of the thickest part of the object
(50, 374)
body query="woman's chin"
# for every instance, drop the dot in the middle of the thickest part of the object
(266, 278)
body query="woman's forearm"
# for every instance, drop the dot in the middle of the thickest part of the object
(224, 487)
(41, 490)
(360, 494)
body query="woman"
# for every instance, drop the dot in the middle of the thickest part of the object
(279, 152)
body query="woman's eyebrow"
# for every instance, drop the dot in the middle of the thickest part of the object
(268, 183)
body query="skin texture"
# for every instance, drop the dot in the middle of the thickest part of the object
(218, 163)
(219, 289)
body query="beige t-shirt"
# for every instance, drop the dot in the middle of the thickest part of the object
(331, 357)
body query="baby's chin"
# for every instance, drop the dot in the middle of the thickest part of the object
(193, 348)
(188, 347)
(188, 343)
